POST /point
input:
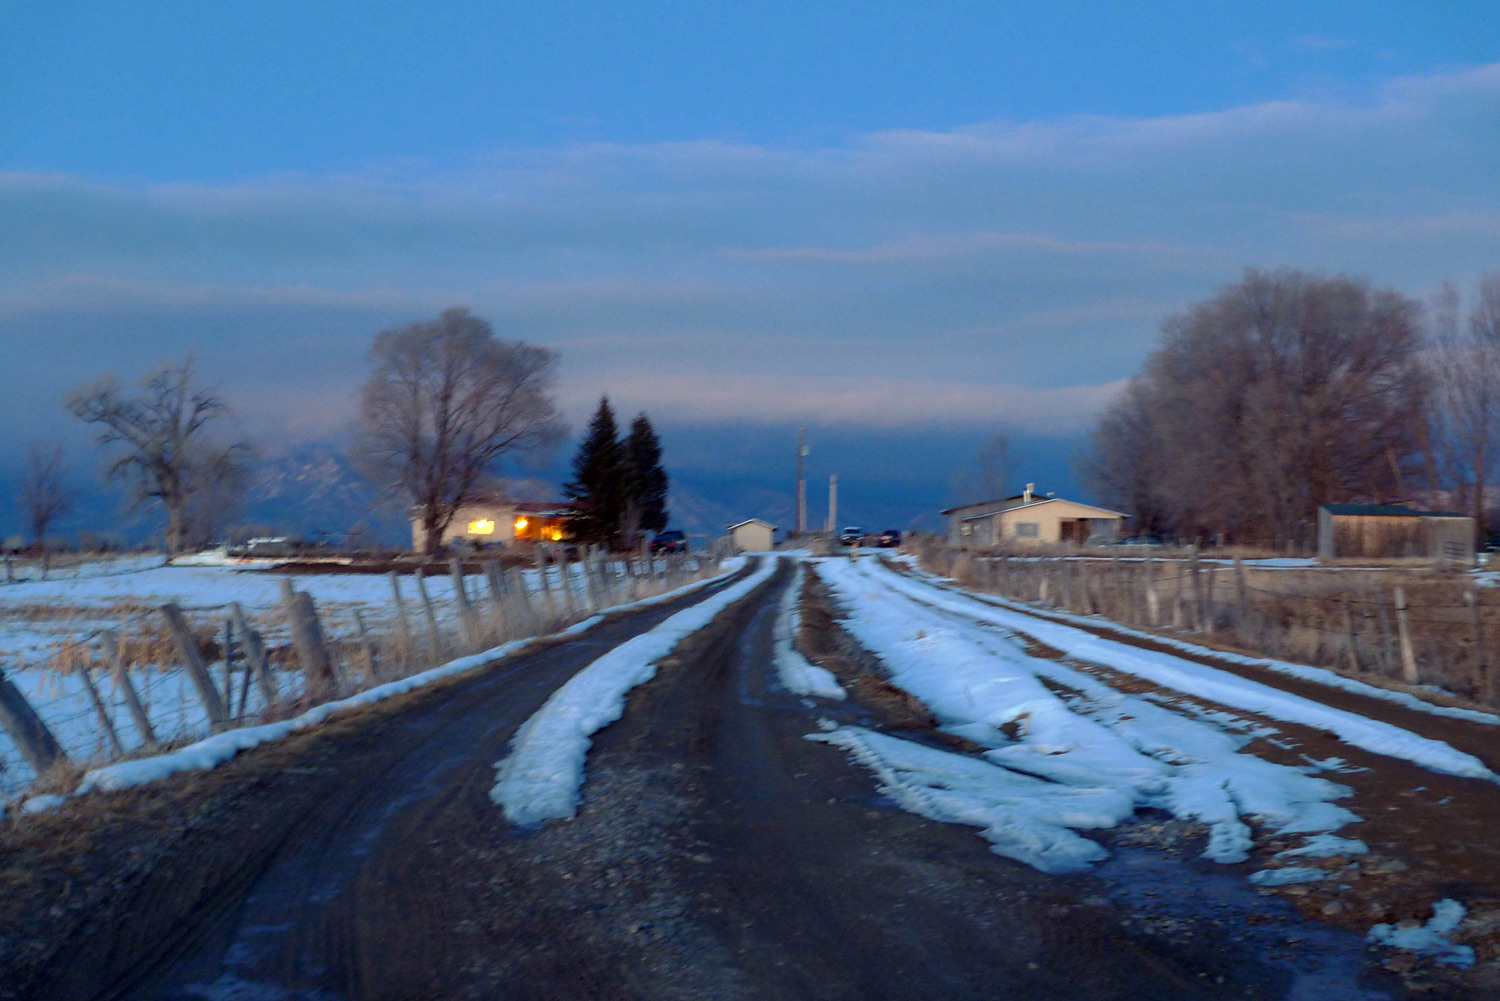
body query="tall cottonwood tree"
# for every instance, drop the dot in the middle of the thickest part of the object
(1283, 392)
(445, 402)
(163, 443)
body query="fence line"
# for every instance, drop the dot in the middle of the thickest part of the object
(242, 670)
(1419, 627)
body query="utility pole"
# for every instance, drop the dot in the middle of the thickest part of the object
(801, 483)
(833, 503)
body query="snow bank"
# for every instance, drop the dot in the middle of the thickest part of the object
(1430, 939)
(1195, 679)
(1303, 672)
(796, 672)
(1074, 733)
(1023, 818)
(541, 777)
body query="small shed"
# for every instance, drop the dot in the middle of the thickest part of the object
(1380, 531)
(753, 536)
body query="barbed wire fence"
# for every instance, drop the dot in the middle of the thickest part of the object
(163, 677)
(1413, 625)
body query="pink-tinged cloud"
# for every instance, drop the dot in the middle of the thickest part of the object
(845, 400)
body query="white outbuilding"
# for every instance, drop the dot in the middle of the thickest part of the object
(753, 536)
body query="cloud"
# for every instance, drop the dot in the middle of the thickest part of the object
(1000, 271)
(877, 402)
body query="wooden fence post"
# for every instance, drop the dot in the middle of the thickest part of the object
(1349, 632)
(111, 643)
(1153, 600)
(1481, 663)
(187, 648)
(1387, 653)
(227, 642)
(99, 709)
(318, 679)
(1403, 626)
(26, 728)
(403, 624)
(433, 634)
(367, 647)
(1197, 582)
(1241, 600)
(461, 594)
(255, 656)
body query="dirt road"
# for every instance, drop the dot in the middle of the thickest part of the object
(717, 853)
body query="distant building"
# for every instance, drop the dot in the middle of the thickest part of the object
(1028, 519)
(1379, 531)
(753, 536)
(493, 521)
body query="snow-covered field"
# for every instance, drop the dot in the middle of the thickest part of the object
(38, 618)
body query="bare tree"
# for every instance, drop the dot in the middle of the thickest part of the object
(163, 443)
(445, 402)
(1283, 392)
(1465, 368)
(45, 494)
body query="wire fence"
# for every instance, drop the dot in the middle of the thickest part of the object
(1418, 626)
(134, 688)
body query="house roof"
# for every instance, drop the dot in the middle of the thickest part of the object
(752, 521)
(1046, 500)
(1389, 511)
(987, 503)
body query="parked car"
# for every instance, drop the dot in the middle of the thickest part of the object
(670, 541)
(852, 535)
(890, 539)
(1138, 540)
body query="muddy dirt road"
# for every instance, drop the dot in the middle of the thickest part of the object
(717, 853)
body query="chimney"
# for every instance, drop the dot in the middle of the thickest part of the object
(1026, 497)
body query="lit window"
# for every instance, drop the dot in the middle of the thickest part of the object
(483, 526)
(521, 524)
(1027, 529)
(555, 534)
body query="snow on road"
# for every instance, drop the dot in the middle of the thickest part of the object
(1042, 719)
(794, 670)
(541, 777)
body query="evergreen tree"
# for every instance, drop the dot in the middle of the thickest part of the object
(647, 503)
(599, 483)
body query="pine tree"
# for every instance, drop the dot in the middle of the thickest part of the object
(599, 485)
(647, 502)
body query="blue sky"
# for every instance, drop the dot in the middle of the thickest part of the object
(928, 219)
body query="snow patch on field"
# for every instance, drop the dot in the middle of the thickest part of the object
(796, 672)
(1070, 734)
(1432, 938)
(541, 777)
(1198, 680)
(1303, 672)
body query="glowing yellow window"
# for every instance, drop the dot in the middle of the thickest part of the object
(521, 524)
(483, 526)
